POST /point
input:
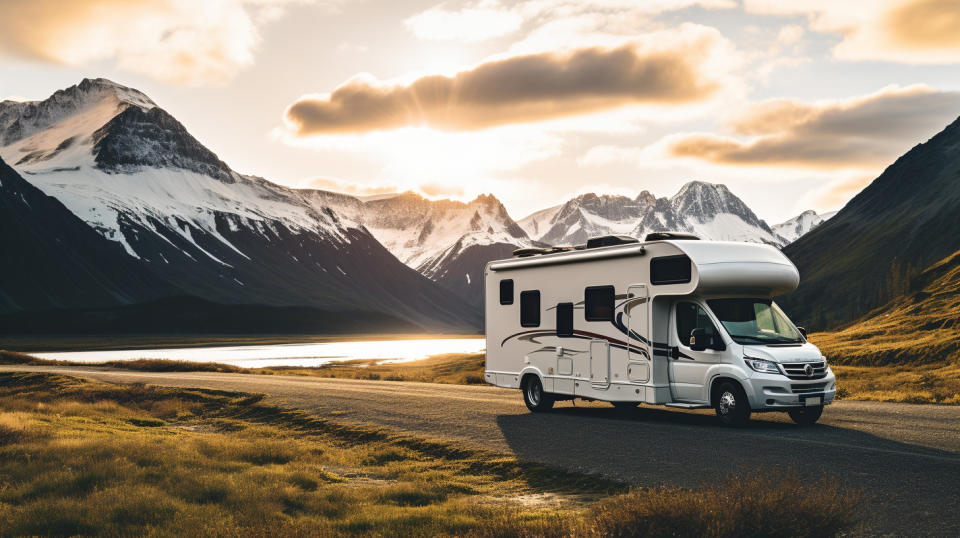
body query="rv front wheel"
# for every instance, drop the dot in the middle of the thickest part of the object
(731, 404)
(533, 395)
(806, 415)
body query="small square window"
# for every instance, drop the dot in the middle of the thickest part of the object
(506, 292)
(530, 308)
(599, 303)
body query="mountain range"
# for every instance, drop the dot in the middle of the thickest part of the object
(132, 173)
(887, 244)
(122, 206)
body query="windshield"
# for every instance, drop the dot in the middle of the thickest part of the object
(755, 321)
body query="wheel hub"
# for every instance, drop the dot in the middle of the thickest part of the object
(728, 403)
(533, 393)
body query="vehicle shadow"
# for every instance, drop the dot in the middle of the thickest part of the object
(911, 487)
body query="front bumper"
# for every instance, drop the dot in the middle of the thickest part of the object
(772, 392)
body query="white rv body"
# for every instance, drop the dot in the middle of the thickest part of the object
(636, 354)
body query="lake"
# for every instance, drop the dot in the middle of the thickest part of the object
(307, 354)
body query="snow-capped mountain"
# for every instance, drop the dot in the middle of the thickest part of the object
(708, 210)
(586, 216)
(445, 240)
(134, 174)
(52, 258)
(798, 226)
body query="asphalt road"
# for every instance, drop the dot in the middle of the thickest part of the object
(906, 458)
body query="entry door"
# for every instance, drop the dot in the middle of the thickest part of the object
(599, 364)
(689, 368)
(638, 329)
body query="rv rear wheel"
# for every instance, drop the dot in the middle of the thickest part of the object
(806, 415)
(533, 395)
(731, 404)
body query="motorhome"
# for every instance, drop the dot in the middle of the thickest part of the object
(671, 321)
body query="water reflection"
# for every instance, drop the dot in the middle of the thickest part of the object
(259, 356)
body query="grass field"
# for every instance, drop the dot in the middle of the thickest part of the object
(80, 457)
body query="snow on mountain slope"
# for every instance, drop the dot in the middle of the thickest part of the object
(798, 226)
(586, 216)
(709, 210)
(418, 230)
(445, 240)
(538, 224)
(52, 259)
(80, 156)
(134, 174)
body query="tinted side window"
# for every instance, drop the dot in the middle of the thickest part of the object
(565, 319)
(506, 292)
(530, 308)
(670, 270)
(691, 316)
(599, 303)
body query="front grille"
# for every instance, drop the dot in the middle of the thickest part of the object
(797, 370)
(809, 387)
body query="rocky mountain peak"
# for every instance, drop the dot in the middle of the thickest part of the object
(704, 201)
(19, 120)
(646, 198)
(121, 128)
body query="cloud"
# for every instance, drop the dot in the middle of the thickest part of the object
(835, 193)
(436, 190)
(347, 187)
(790, 34)
(906, 31)
(521, 88)
(479, 22)
(862, 132)
(489, 19)
(175, 41)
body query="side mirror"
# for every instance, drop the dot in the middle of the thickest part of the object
(802, 331)
(699, 341)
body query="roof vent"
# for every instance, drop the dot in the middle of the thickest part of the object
(610, 240)
(527, 252)
(666, 236)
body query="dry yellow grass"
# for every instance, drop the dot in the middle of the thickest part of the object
(905, 384)
(80, 457)
(919, 328)
(455, 368)
(906, 351)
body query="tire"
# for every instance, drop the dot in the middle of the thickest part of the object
(731, 404)
(806, 416)
(534, 396)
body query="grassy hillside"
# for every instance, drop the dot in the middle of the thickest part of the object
(922, 327)
(79, 457)
(882, 240)
(909, 349)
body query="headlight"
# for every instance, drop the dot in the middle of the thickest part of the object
(762, 366)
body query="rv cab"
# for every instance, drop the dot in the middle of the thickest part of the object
(671, 321)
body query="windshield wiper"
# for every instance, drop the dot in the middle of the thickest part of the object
(765, 340)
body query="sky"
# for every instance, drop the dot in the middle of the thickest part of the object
(792, 105)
